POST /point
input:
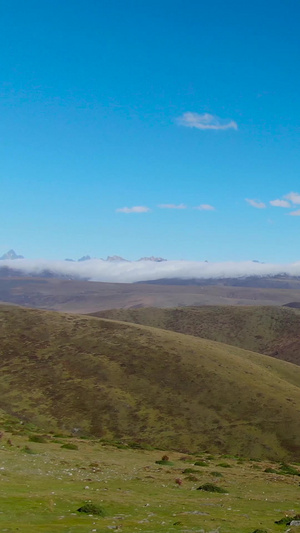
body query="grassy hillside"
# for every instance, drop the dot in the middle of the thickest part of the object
(44, 483)
(87, 296)
(122, 381)
(270, 330)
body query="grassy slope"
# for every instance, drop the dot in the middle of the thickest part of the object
(42, 490)
(118, 380)
(270, 330)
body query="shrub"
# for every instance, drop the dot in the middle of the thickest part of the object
(288, 470)
(191, 478)
(70, 446)
(286, 520)
(270, 470)
(189, 471)
(162, 462)
(200, 463)
(134, 445)
(37, 438)
(91, 508)
(224, 465)
(216, 474)
(210, 487)
(26, 449)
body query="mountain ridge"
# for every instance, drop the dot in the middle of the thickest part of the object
(12, 255)
(273, 331)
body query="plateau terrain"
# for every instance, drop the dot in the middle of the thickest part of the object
(60, 482)
(78, 296)
(149, 420)
(115, 380)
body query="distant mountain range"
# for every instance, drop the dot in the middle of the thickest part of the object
(154, 271)
(11, 254)
(18, 270)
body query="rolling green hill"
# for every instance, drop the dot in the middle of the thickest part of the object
(269, 330)
(122, 381)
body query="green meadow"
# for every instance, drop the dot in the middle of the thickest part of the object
(43, 485)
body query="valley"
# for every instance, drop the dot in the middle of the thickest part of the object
(78, 296)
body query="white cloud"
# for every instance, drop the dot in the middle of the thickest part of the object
(132, 271)
(256, 203)
(205, 207)
(295, 213)
(205, 122)
(280, 203)
(134, 209)
(172, 206)
(294, 197)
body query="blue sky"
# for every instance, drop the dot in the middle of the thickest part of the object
(107, 105)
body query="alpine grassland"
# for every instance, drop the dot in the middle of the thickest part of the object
(101, 486)
(143, 385)
(271, 330)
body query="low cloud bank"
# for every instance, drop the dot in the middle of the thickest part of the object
(128, 272)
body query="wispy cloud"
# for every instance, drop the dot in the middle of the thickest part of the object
(206, 121)
(132, 271)
(294, 197)
(205, 207)
(172, 206)
(256, 203)
(134, 209)
(295, 213)
(280, 203)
